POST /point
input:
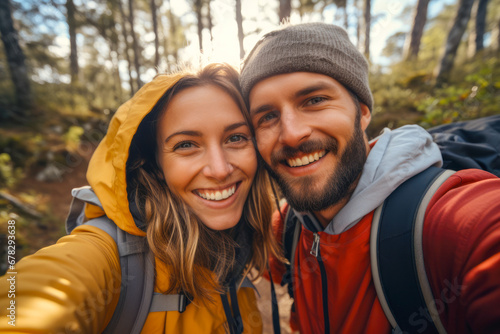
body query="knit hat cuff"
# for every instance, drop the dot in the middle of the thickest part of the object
(312, 47)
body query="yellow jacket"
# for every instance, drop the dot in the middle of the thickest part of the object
(74, 285)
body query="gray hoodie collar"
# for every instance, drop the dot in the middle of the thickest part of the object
(396, 156)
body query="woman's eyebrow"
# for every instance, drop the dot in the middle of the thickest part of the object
(185, 133)
(235, 126)
(199, 134)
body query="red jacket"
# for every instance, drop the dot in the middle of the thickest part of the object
(461, 245)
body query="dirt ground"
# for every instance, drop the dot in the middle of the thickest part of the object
(52, 200)
(264, 304)
(58, 194)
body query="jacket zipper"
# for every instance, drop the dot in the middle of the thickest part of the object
(315, 246)
(315, 251)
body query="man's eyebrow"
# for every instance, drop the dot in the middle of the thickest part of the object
(313, 88)
(303, 92)
(234, 126)
(185, 133)
(261, 109)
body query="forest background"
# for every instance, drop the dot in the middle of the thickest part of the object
(66, 66)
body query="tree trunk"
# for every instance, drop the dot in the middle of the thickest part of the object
(471, 40)
(453, 41)
(15, 57)
(209, 20)
(358, 24)
(480, 24)
(114, 54)
(285, 10)
(199, 17)
(498, 35)
(239, 22)
(412, 46)
(127, 47)
(117, 81)
(155, 30)
(173, 32)
(73, 55)
(495, 36)
(346, 18)
(135, 44)
(368, 18)
(163, 39)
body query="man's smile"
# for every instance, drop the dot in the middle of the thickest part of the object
(305, 159)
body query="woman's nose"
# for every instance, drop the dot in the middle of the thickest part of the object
(218, 166)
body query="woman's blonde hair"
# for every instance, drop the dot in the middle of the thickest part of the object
(175, 235)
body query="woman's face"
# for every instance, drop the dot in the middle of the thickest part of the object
(206, 154)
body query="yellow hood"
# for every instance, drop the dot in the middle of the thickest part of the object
(106, 171)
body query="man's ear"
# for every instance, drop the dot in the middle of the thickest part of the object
(366, 116)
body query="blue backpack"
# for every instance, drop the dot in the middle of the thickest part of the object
(396, 232)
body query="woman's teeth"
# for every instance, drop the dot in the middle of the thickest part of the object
(306, 160)
(217, 195)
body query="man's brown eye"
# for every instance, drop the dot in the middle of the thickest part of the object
(267, 117)
(316, 100)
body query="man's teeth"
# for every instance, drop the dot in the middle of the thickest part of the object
(217, 195)
(305, 160)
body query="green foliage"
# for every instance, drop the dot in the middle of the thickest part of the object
(394, 45)
(72, 138)
(7, 97)
(22, 148)
(396, 103)
(59, 99)
(407, 94)
(31, 233)
(477, 95)
(9, 175)
(6, 94)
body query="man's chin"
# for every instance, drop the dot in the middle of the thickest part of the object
(301, 203)
(301, 195)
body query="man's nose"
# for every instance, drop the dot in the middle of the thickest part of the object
(294, 129)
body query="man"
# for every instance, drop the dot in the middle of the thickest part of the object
(310, 104)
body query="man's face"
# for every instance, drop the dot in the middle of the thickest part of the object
(310, 133)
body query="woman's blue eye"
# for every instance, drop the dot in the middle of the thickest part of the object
(183, 145)
(237, 138)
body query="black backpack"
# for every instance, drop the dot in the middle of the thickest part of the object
(396, 233)
(470, 144)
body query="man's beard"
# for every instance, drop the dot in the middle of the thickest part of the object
(301, 193)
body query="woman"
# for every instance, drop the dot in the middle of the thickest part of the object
(177, 166)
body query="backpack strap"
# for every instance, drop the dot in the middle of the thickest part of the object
(396, 255)
(173, 302)
(76, 215)
(289, 239)
(137, 297)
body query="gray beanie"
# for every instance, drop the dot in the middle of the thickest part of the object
(309, 47)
